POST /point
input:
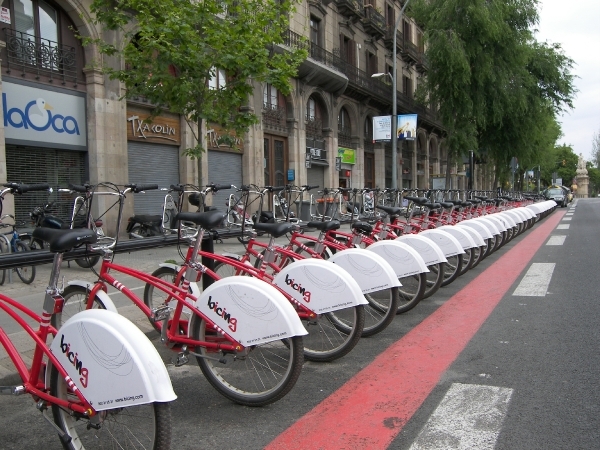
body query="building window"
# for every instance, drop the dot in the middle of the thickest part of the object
(218, 79)
(314, 125)
(407, 86)
(371, 64)
(390, 17)
(36, 29)
(347, 49)
(315, 31)
(407, 31)
(344, 129)
(270, 96)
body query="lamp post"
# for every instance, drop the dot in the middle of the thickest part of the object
(393, 75)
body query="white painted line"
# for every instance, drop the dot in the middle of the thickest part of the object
(563, 227)
(567, 218)
(568, 214)
(536, 280)
(556, 240)
(468, 417)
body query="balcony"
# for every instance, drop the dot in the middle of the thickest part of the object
(409, 54)
(350, 8)
(321, 68)
(46, 60)
(388, 39)
(422, 64)
(374, 22)
(274, 117)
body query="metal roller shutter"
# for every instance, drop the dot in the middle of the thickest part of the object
(316, 176)
(58, 168)
(152, 164)
(224, 168)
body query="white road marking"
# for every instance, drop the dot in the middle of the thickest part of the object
(564, 226)
(536, 280)
(568, 214)
(556, 240)
(468, 417)
(567, 218)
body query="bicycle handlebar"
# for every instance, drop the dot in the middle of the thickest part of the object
(80, 188)
(142, 187)
(23, 188)
(218, 187)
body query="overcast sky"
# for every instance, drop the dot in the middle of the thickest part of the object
(575, 24)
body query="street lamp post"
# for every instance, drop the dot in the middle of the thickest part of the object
(394, 102)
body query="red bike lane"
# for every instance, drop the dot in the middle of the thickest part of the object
(371, 409)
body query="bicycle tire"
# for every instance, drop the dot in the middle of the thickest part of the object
(467, 261)
(334, 334)
(25, 273)
(434, 279)
(3, 249)
(243, 378)
(411, 292)
(87, 261)
(154, 298)
(75, 300)
(380, 311)
(452, 268)
(118, 428)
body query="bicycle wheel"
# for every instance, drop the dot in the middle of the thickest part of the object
(258, 376)
(75, 300)
(434, 279)
(87, 261)
(380, 311)
(3, 249)
(154, 297)
(467, 262)
(452, 269)
(411, 292)
(25, 273)
(334, 334)
(135, 427)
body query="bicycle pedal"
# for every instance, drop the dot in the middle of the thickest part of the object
(180, 360)
(161, 313)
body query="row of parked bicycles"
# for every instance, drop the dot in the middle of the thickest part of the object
(250, 320)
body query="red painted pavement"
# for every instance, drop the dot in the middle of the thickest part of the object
(370, 410)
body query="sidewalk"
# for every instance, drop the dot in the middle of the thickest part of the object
(145, 261)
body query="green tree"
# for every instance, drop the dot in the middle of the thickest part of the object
(596, 148)
(168, 51)
(594, 174)
(495, 86)
(561, 160)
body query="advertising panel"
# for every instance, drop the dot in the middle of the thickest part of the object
(348, 155)
(407, 127)
(382, 128)
(38, 116)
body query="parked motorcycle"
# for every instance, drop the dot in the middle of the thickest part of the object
(41, 217)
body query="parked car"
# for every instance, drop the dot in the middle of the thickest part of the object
(557, 194)
(568, 193)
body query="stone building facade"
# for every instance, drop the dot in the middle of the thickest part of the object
(92, 134)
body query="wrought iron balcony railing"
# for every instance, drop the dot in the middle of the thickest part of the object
(374, 22)
(41, 57)
(274, 116)
(350, 8)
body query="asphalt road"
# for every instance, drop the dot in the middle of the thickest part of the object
(541, 353)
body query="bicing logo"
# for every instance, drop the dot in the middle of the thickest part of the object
(38, 116)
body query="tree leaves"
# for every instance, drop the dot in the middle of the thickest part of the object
(170, 49)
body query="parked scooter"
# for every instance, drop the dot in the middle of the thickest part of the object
(41, 217)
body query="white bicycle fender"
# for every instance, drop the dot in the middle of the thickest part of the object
(319, 285)
(249, 310)
(479, 242)
(462, 236)
(497, 222)
(110, 306)
(508, 219)
(518, 215)
(371, 271)
(405, 260)
(447, 243)
(111, 361)
(489, 224)
(480, 227)
(172, 266)
(529, 214)
(427, 249)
